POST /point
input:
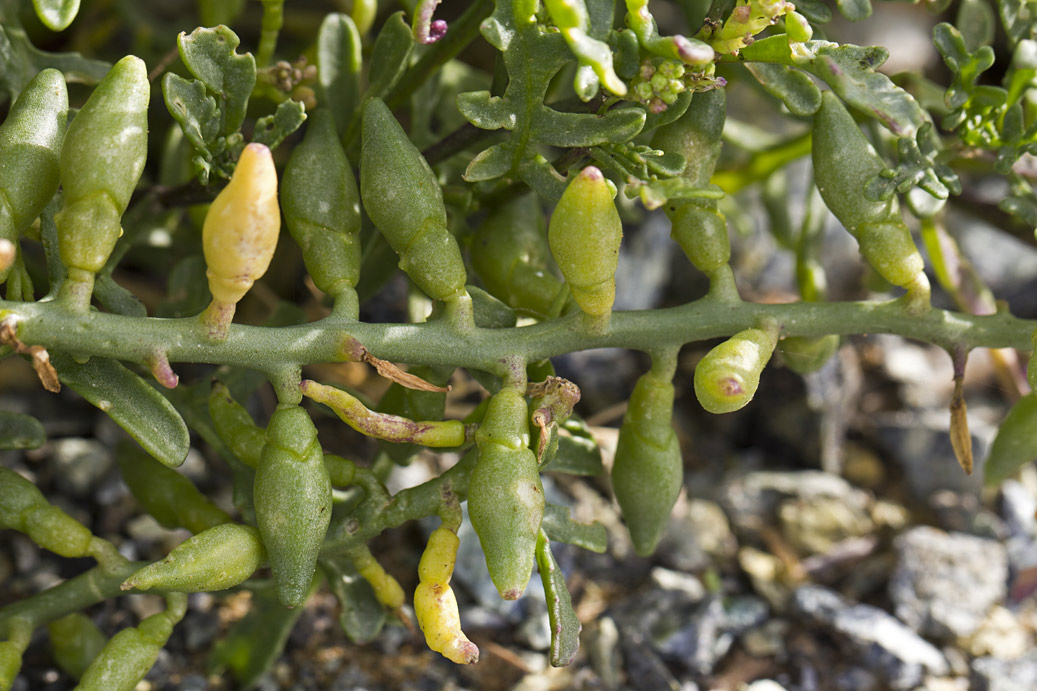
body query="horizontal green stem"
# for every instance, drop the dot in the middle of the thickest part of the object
(89, 588)
(435, 343)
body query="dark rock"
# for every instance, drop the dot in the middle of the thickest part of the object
(880, 642)
(945, 583)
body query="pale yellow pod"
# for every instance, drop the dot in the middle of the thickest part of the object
(241, 228)
(386, 588)
(436, 610)
(437, 561)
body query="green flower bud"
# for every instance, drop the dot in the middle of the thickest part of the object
(727, 377)
(322, 206)
(403, 198)
(214, 559)
(101, 161)
(505, 496)
(647, 475)
(76, 641)
(292, 497)
(584, 234)
(30, 148)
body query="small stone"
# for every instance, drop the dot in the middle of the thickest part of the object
(644, 670)
(697, 537)
(764, 685)
(944, 584)
(1001, 635)
(994, 674)
(767, 640)
(688, 585)
(815, 526)
(767, 574)
(882, 643)
(79, 464)
(700, 642)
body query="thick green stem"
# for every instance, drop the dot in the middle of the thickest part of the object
(273, 18)
(436, 343)
(87, 589)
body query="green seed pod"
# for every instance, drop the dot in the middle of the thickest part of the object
(584, 235)
(510, 254)
(322, 206)
(30, 147)
(167, 495)
(75, 641)
(128, 656)
(805, 355)
(234, 426)
(292, 497)
(844, 164)
(403, 198)
(727, 377)
(697, 226)
(24, 508)
(214, 559)
(102, 160)
(10, 663)
(505, 496)
(646, 475)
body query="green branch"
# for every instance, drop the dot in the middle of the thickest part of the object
(273, 350)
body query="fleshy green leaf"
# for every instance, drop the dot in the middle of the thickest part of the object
(796, 90)
(565, 625)
(18, 431)
(1016, 442)
(131, 402)
(854, 10)
(254, 642)
(532, 57)
(210, 56)
(390, 55)
(56, 15)
(338, 67)
(559, 526)
(362, 616)
(272, 129)
(576, 455)
(192, 107)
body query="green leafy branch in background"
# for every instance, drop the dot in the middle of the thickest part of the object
(211, 107)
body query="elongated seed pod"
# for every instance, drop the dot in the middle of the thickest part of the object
(30, 148)
(434, 603)
(844, 164)
(511, 255)
(505, 496)
(697, 226)
(584, 234)
(727, 377)
(128, 656)
(322, 206)
(24, 508)
(646, 475)
(240, 234)
(101, 161)
(214, 559)
(387, 589)
(292, 497)
(403, 198)
(75, 641)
